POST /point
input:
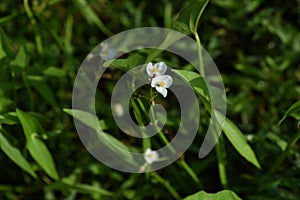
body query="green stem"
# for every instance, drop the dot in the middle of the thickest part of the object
(191, 172)
(31, 103)
(146, 141)
(166, 185)
(38, 39)
(160, 133)
(285, 153)
(221, 157)
(202, 71)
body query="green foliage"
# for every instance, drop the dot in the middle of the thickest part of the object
(255, 45)
(225, 194)
(35, 146)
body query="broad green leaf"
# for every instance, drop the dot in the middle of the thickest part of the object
(15, 155)
(35, 146)
(238, 140)
(189, 17)
(294, 111)
(223, 195)
(21, 59)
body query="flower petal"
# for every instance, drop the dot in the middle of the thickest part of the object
(161, 90)
(167, 80)
(149, 69)
(151, 156)
(161, 68)
(156, 80)
(107, 52)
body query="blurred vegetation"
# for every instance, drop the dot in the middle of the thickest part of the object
(255, 44)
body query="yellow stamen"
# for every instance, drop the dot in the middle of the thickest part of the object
(161, 84)
(154, 70)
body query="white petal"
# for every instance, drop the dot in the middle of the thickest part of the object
(155, 81)
(161, 68)
(151, 156)
(107, 52)
(149, 68)
(161, 90)
(118, 109)
(167, 80)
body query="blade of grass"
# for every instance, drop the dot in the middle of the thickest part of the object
(285, 153)
(221, 157)
(166, 185)
(191, 172)
(38, 39)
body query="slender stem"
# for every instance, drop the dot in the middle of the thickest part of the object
(38, 39)
(221, 157)
(202, 71)
(191, 172)
(166, 185)
(146, 141)
(31, 103)
(160, 133)
(285, 153)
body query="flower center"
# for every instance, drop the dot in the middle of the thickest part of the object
(150, 155)
(161, 84)
(154, 70)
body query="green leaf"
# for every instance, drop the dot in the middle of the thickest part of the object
(4, 103)
(9, 118)
(7, 86)
(238, 140)
(21, 59)
(35, 146)
(87, 118)
(196, 81)
(40, 85)
(199, 85)
(128, 63)
(15, 155)
(223, 195)
(54, 72)
(91, 16)
(189, 17)
(111, 142)
(294, 111)
(5, 47)
(80, 187)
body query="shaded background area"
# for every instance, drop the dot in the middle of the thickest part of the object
(255, 44)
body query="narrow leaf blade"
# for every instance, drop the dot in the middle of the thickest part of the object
(238, 140)
(189, 17)
(15, 155)
(294, 109)
(35, 146)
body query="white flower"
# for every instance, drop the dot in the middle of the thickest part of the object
(161, 83)
(150, 156)
(107, 52)
(157, 70)
(118, 109)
